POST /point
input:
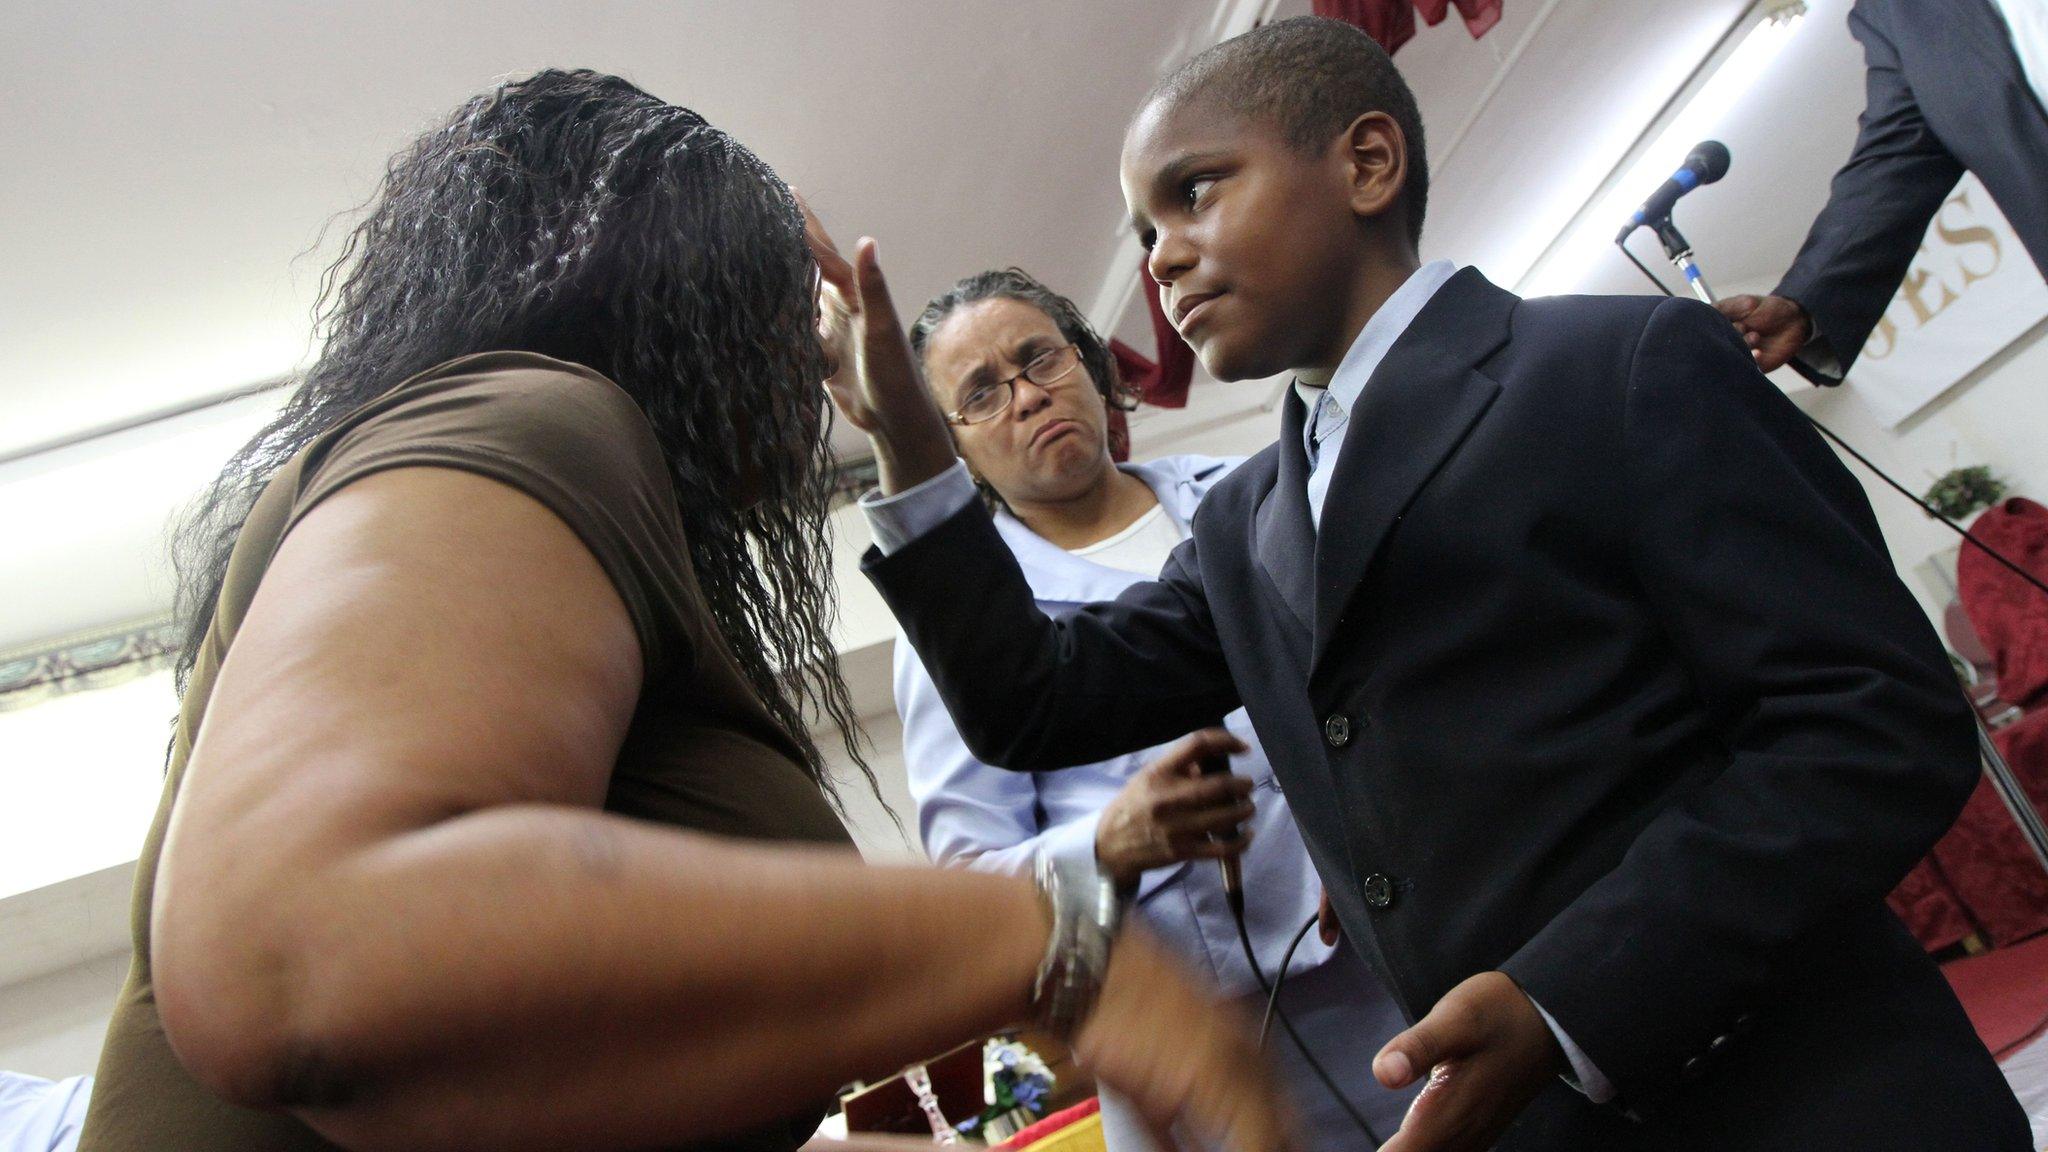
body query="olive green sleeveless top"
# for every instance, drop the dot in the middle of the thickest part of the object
(702, 753)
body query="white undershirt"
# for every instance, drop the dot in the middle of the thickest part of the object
(1141, 547)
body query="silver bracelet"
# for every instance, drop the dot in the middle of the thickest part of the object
(1086, 912)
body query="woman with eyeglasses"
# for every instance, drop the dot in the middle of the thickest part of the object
(1028, 387)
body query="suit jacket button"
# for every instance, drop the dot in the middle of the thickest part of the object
(1337, 730)
(1715, 1046)
(1378, 890)
(1693, 1069)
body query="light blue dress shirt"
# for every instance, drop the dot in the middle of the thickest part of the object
(897, 520)
(38, 1115)
(974, 815)
(1331, 408)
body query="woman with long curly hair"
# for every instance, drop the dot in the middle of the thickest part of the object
(501, 642)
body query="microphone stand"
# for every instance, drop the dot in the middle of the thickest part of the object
(1679, 250)
(2003, 782)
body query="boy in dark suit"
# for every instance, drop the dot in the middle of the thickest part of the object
(1580, 658)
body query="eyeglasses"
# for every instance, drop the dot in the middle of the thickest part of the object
(988, 401)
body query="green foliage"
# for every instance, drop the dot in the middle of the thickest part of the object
(1965, 490)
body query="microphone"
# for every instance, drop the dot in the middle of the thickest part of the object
(1707, 163)
(1233, 871)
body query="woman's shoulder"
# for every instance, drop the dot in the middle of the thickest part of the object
(513, 401)
(558, 432)
(550, 427)
(1192, 467)
(1190, 477)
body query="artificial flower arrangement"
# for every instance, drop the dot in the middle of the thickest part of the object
(1018, 1089)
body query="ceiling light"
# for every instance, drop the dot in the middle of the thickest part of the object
(1695, 114)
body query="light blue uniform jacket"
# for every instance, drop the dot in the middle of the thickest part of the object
(974, 815)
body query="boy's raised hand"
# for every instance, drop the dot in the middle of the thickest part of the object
(875, 380)
(1486, 1052)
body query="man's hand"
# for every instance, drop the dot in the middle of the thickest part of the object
(875, 379)
(1181, 1054)
(1170, 812)
(1327, 926)
(1486, 1052)
(1774, 328)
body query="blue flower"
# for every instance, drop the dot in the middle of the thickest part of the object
(1030, 1092)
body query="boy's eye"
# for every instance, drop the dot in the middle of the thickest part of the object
(1146, 239)
(1194, 191)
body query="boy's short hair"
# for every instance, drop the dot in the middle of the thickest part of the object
(1310, 77)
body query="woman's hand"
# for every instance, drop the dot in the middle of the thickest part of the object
(875, 382)
(1171, 812)
(1181, 1054)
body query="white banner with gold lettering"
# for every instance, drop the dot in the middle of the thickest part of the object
(1972, 291)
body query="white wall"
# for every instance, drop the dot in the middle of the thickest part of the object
(52, 1026)
(63, 954)
(1997, 416)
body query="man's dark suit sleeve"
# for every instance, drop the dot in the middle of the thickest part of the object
(1862, 243)
(1850, 747)
(1029, 692)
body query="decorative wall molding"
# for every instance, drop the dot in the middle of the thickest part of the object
(85, 661)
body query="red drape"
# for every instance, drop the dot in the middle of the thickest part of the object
(1984, 855)
(1392, 22)
(1981, 877)
(2010, 615)
(1161, 382)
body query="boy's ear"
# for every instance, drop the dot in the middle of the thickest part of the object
(1375, 154)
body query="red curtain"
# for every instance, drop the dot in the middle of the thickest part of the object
(1981, 876)
(1983, 853)
(1161, 382)
(2010, 615)
(1392, 22)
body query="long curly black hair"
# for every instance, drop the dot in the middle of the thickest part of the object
(574, 215)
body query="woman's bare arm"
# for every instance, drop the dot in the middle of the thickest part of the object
(388, 901)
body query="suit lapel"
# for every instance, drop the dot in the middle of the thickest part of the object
(1418, 406)
(1285, 536)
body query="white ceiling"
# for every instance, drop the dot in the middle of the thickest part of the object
(170, 166)
(169, 169)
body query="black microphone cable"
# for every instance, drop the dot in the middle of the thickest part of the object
(1235, 898)
(1280, 978)
(1860, 458)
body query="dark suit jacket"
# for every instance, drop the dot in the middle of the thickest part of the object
(1599, 674)
(1945, 93)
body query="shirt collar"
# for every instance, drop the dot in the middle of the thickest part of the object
(1378, 336)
